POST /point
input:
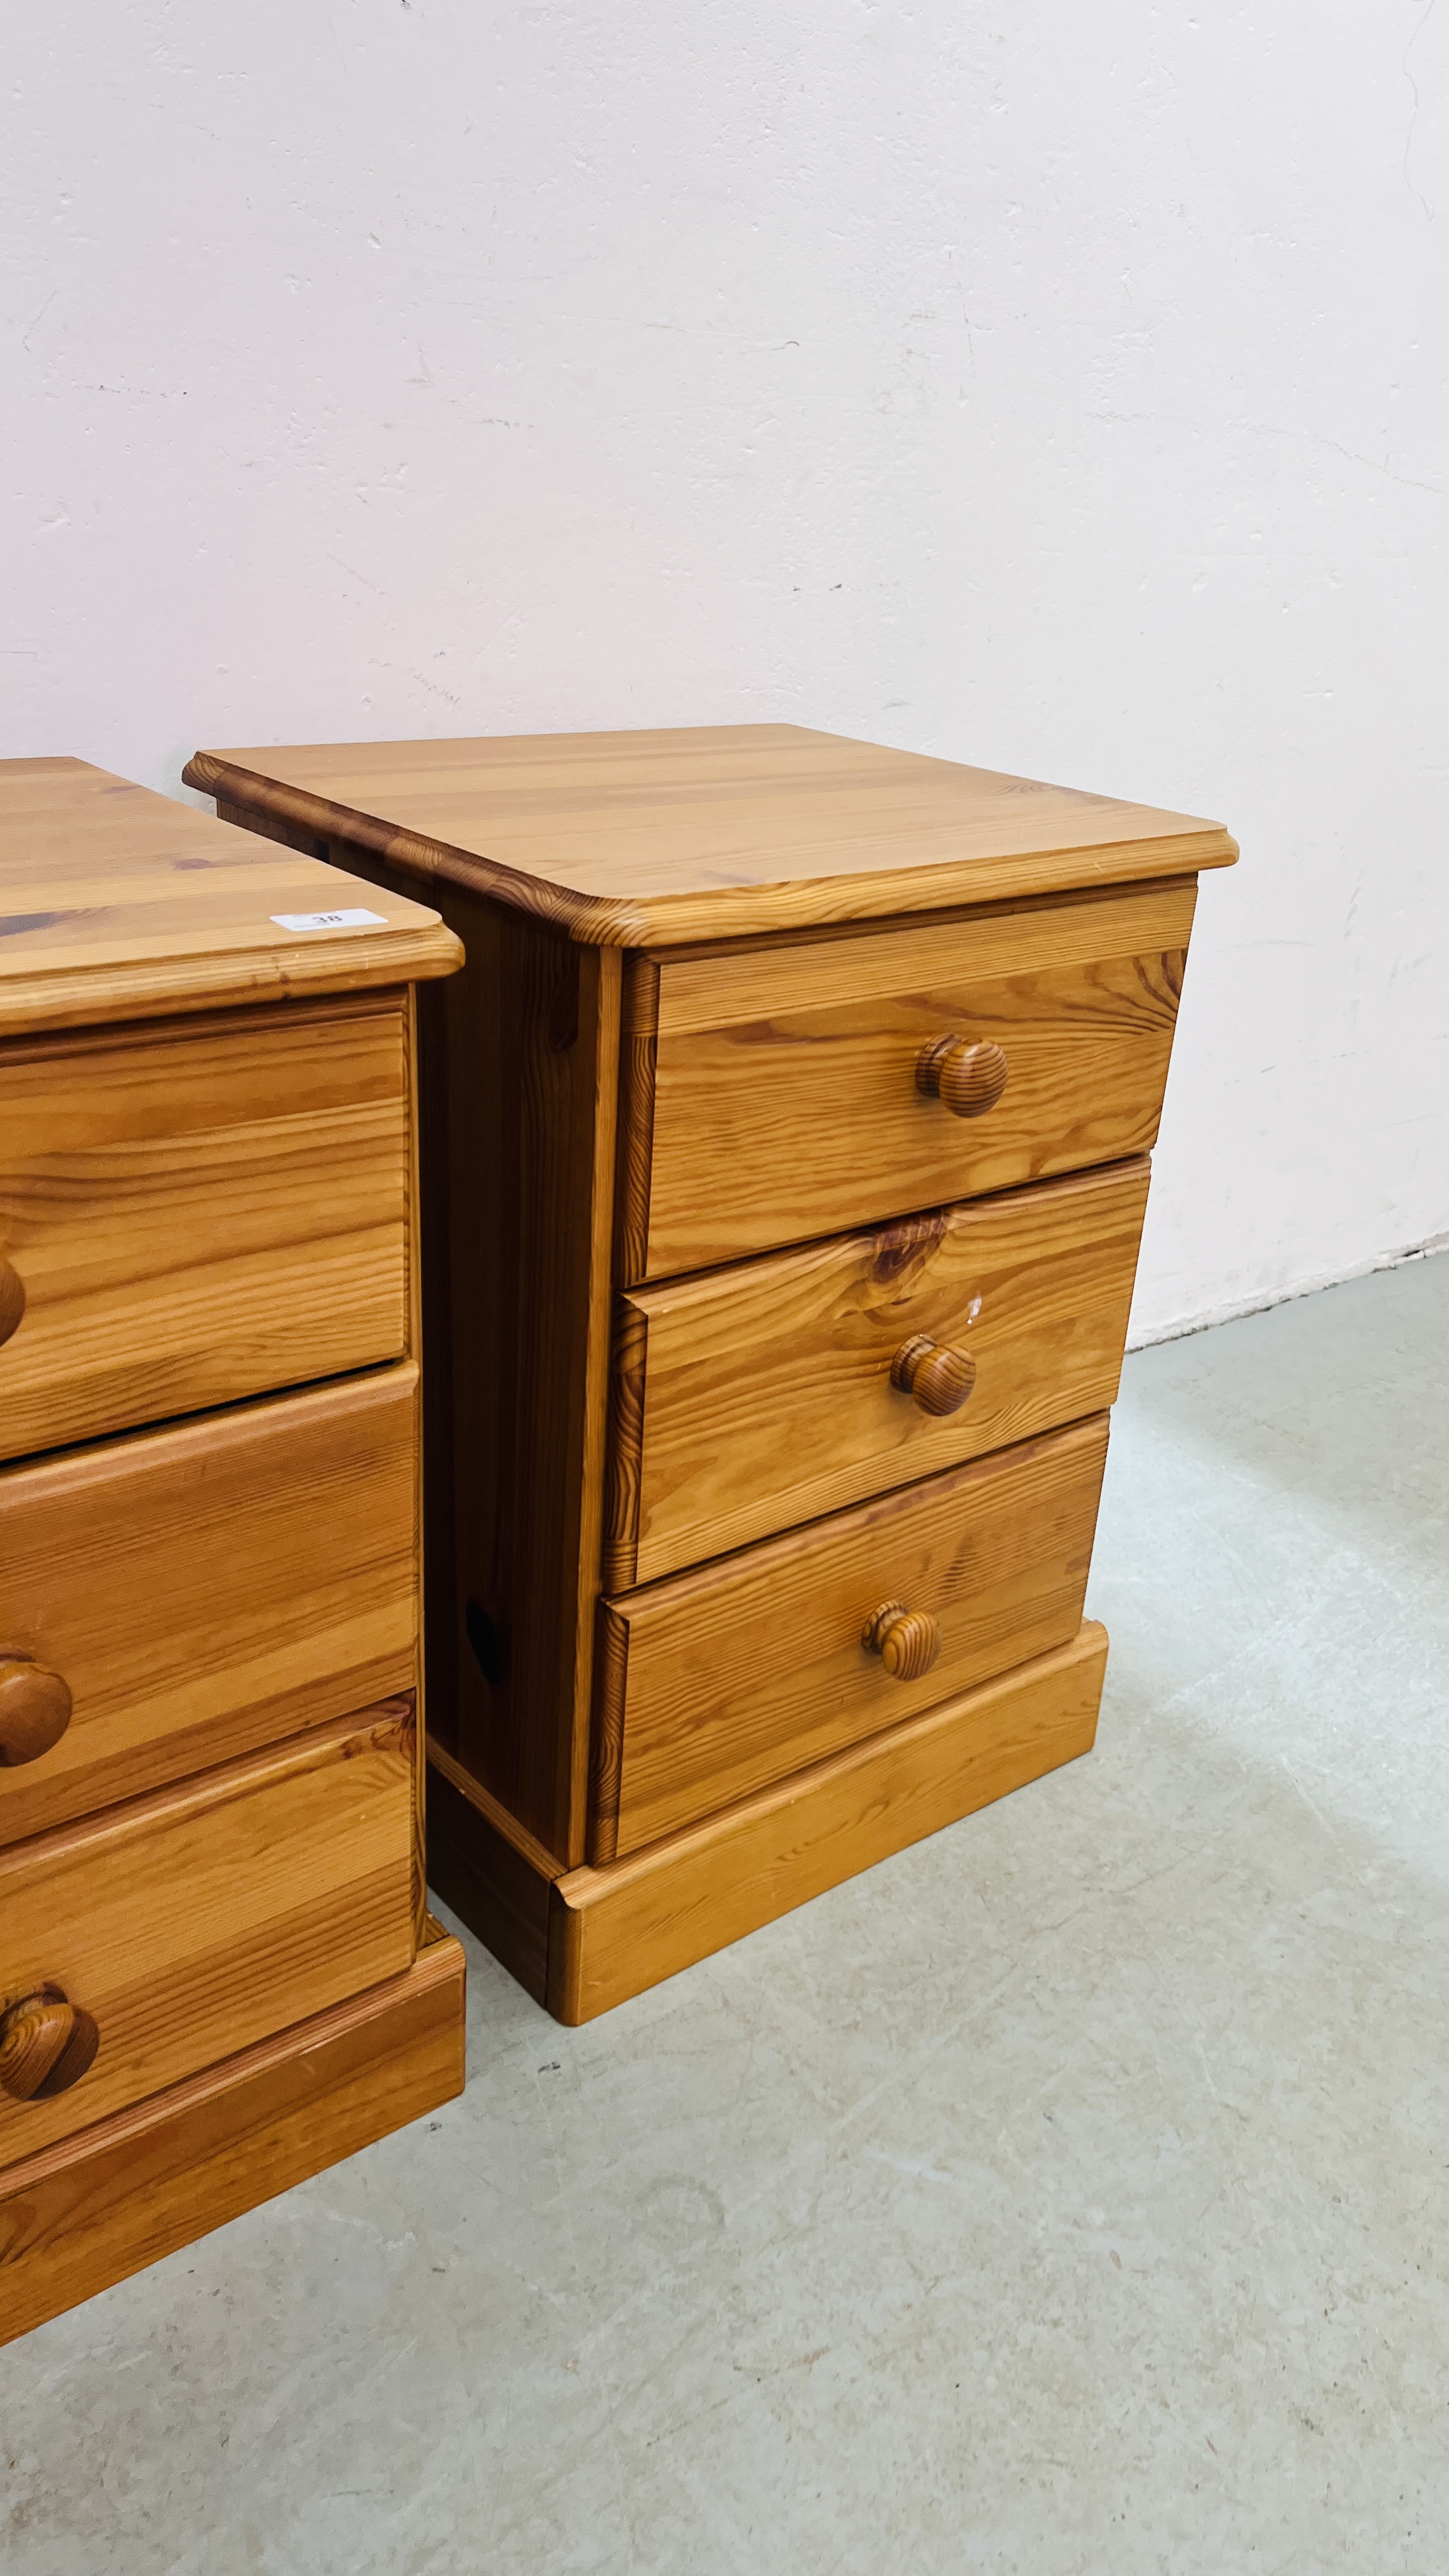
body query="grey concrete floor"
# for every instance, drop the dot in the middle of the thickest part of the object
(1067, 2194)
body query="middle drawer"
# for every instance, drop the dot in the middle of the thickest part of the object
(180, 1597)
(716, 1683)
(749, 1399)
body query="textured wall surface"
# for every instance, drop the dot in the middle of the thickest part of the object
(1061, 389)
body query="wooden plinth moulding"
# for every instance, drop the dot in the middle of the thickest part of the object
(615, 1932)
(138, 2185)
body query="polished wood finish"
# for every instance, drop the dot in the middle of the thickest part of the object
(795, 1099)
(490, 1870)
(210, 1589)
(520, 1206)
(517, 1210)
(715, 1683)
(291, 1876)
(220, 1212)
(908, 1642)
(116, 904)
(640, 840)
(212, 1878)
(615, 1932)
(638, 1054)
(771, 1388)
(136, 2186)
(967, 1075)
(47, 2043)
(938, 1377)
(12, 1299)
(785, 1098)
(35, 1710)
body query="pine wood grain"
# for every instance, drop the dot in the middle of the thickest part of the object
(35, 1709)
(530, 1036)
(519, 1068)
(938, 1376)
(490, 1870)
(785, 1099)
(751, 1398)
(726, 1679)
(616, 1932)
(117, 905)
(908, 1642)
(637, 1058)
(192, 1924)
(47, 2043)
(202, 1202)
(803, 917)
(211, 1588)
(414, 1297)
(968, 1075)
(647, 839)
(206, 1215)
(135, 2187)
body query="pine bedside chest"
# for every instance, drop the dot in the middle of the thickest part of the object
(216, 1973)
(784, 1164)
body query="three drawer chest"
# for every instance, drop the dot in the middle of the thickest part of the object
(216, 1971)
(784, 1165)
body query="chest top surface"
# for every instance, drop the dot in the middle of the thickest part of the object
(119, 904)
(657, 839)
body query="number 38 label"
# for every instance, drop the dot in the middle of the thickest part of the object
(329, 920)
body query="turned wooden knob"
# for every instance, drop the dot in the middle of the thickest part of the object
(35, 1707)
(12, 1299)
(907, 1641)
(34, 1710)
(46, 2044)
(968, 1075)
(939, 1378)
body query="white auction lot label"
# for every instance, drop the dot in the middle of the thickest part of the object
(329, 920)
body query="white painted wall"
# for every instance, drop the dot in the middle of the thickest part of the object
(1061, 388)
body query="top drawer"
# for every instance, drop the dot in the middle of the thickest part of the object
(193, 1212)
(773, 1095)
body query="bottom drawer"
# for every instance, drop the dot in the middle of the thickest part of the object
(715, 1683)
(190, 1924)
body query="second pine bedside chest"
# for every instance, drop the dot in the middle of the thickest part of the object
(785, 1159)
(217, 1974)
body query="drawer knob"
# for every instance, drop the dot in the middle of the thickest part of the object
(907, 1641)
(939, 1378)
(34, 1710)
(967, 1075)
(46, 2044)
(12, 1299)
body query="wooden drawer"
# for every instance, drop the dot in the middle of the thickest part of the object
(746, 1400)
(772, 1095)
(205, 1590)
(713, 1684)
(192, 1212)
(189, 1925)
